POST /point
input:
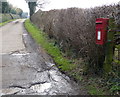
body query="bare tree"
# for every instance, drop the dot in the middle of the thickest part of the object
(33, 4)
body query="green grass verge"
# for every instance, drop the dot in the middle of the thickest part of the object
(42, 39)
(4, 23)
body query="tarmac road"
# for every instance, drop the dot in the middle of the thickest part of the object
(27, 69)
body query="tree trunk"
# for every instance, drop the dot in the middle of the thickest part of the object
(32, 7)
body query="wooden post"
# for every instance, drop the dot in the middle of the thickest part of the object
(119, 54)
(109, 46)
(118, 24)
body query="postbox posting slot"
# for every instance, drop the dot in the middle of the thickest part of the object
(99, 22)
(99, 35)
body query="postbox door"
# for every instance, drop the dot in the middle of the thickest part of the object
(101, 30)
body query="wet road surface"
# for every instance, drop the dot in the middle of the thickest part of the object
(27, 69)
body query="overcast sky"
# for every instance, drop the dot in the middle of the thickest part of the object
(58, 4)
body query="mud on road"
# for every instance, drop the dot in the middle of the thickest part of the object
(31, 71)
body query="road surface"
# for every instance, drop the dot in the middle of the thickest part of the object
(27, 69)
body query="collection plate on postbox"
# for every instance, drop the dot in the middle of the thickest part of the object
(101, 30)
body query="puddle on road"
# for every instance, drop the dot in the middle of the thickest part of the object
(15, 22)
(54, 75)
(9, 91)
(25, 34)
(50, 64)
(20, 54)
(41, 87)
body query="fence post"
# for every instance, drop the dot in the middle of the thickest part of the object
(109, 49)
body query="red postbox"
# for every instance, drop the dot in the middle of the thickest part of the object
(101, 30)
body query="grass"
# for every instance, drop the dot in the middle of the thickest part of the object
(4, 23)
(42, 39)
(94, 87)
(93, 90)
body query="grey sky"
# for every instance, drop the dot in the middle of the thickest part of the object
(58, 4)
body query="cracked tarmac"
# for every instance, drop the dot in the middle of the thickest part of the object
(30, 71)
